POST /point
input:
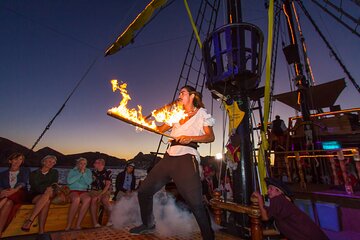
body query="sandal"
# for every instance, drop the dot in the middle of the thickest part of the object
(27, 222)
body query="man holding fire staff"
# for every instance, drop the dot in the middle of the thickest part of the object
(181, 163)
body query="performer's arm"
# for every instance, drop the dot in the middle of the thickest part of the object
(205, 138)
(163, 128)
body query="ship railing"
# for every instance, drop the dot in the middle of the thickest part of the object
(253, 211)
(326, 156)
(346, 121)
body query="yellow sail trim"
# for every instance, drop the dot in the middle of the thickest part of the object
(193, 24)
(235, 116)
(128, 35)
(264, 142)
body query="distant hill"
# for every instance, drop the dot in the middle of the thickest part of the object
(7, 147)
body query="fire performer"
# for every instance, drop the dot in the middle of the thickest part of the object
(180, 163)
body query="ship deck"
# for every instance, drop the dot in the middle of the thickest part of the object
(110, 233)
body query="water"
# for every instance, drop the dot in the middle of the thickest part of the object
(140, 174)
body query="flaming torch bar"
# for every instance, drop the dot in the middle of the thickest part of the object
(111, 114)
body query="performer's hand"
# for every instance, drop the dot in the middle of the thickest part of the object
(184, 139)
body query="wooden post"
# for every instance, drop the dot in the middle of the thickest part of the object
(255, 220)
(357, 161)
(333, 167)
(301, 173)
(217, 210)
(341, 158)
(288, 168)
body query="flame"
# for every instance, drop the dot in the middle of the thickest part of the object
(169, 114)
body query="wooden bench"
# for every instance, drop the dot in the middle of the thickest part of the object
(56, 221)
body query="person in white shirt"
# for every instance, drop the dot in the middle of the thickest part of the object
(181, 164)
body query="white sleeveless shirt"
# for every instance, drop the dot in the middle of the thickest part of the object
(193, 127)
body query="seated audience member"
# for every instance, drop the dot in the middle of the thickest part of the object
(226, 188)
(100, 191)
(209, 184)
(79, 180)
(13, 189)
(125, 182)
(42, 183)
(290, 220)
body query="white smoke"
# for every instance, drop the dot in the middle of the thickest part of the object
(169, 218)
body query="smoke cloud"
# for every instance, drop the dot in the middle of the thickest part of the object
(169, 217)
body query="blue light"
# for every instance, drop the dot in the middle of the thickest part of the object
(330, 145)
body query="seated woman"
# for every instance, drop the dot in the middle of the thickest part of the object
(100, 191)
(79, 180)
(13, 188)
(42, 183)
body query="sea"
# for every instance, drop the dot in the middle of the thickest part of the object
(140, 174)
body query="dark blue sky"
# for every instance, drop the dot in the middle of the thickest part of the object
(46, 47)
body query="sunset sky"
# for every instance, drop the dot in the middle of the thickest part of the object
(47, 46)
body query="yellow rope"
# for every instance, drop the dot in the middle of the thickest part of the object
(193, 24)
(264, 143)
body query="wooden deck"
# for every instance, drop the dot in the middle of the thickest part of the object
(123, 234)
(56, 220)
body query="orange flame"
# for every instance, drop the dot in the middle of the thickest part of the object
(168, 114)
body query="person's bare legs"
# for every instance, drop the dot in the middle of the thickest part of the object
(75, 201)
(43, 216)
(4, 213)
(94, 210)
(40, 201)
(85, 203)
(2, 202)
(105, 200)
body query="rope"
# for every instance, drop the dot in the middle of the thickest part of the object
(193, 24)
(63, 106)
(328, 45)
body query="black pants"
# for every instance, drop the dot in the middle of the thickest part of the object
(184, 170)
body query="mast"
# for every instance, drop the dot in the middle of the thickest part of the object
(232, 58)
(292, 55)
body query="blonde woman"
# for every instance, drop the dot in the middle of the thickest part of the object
(79, 180)
(42, 182)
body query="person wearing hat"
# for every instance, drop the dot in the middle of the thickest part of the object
(289, 219)
(125, 182)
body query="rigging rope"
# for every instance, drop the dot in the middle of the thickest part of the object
(63, 106)
(264, 143)
(328, 45)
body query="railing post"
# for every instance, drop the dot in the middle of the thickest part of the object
(217, 210)
(288, 168)
(301, 173)
(333, 168)
(255, 220)
(357, 161)
(341, 158)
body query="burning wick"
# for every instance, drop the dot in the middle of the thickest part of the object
(169, 114)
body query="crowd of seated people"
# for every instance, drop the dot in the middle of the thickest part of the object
(87, 191)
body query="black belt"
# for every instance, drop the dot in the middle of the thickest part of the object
(191, 144)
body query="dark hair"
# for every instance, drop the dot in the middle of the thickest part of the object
(198, 97)
(15, 155)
